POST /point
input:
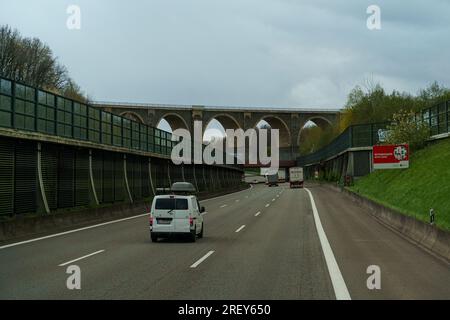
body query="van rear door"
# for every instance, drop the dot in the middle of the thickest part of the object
(182, 215)
(171, 214)
(164, 215)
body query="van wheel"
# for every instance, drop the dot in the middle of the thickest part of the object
(193, 236)
(154, 238)
(200, 235)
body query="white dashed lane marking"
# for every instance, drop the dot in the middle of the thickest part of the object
(195, 265)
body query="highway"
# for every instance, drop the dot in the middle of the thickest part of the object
(260, 243)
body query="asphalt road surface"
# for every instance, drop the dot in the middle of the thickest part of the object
(261, 243)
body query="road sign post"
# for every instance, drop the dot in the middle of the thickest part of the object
(431, 216)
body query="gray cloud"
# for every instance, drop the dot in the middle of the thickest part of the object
(249, 53)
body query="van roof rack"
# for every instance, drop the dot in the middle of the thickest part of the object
(178, 188)
(183, 187)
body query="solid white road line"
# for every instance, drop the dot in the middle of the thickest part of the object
(223, 206)
(83, 257)
(240, 228)
(339, 286)
(258, 213)
(72, 231)
(267, 205)
(202, 259)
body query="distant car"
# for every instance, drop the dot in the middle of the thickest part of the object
(177, 214)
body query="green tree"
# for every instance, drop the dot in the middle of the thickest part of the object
(313, 138)
(433, 95)
(374, 104)
(407, 129)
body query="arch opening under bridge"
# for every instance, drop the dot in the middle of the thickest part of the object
(314, 132)
(173, 120)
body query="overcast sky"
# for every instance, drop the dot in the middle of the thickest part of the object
(241, 53)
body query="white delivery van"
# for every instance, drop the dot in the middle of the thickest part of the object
(282, 175)
(176, 214)
(296, 177)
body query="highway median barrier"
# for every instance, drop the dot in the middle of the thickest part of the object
(24, 227)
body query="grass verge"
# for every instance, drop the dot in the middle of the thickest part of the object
(414, 191)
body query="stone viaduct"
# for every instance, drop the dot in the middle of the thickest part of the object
(289, 121)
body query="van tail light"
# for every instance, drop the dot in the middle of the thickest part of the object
(191, 221)
(151, 220)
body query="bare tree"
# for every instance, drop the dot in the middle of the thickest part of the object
(31, 61)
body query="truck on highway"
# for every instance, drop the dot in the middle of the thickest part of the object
(272, 179)
(296, 177)
(282, 175)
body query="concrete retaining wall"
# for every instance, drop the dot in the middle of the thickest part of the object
(427, 236)
(26, 227)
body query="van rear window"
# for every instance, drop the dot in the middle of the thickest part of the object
(168, 204)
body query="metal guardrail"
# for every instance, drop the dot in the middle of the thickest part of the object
(437, 117)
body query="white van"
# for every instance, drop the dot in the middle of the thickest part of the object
(174, 214)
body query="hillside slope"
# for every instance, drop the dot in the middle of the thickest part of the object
(413, 191)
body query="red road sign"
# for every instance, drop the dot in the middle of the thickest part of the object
(390, 156)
